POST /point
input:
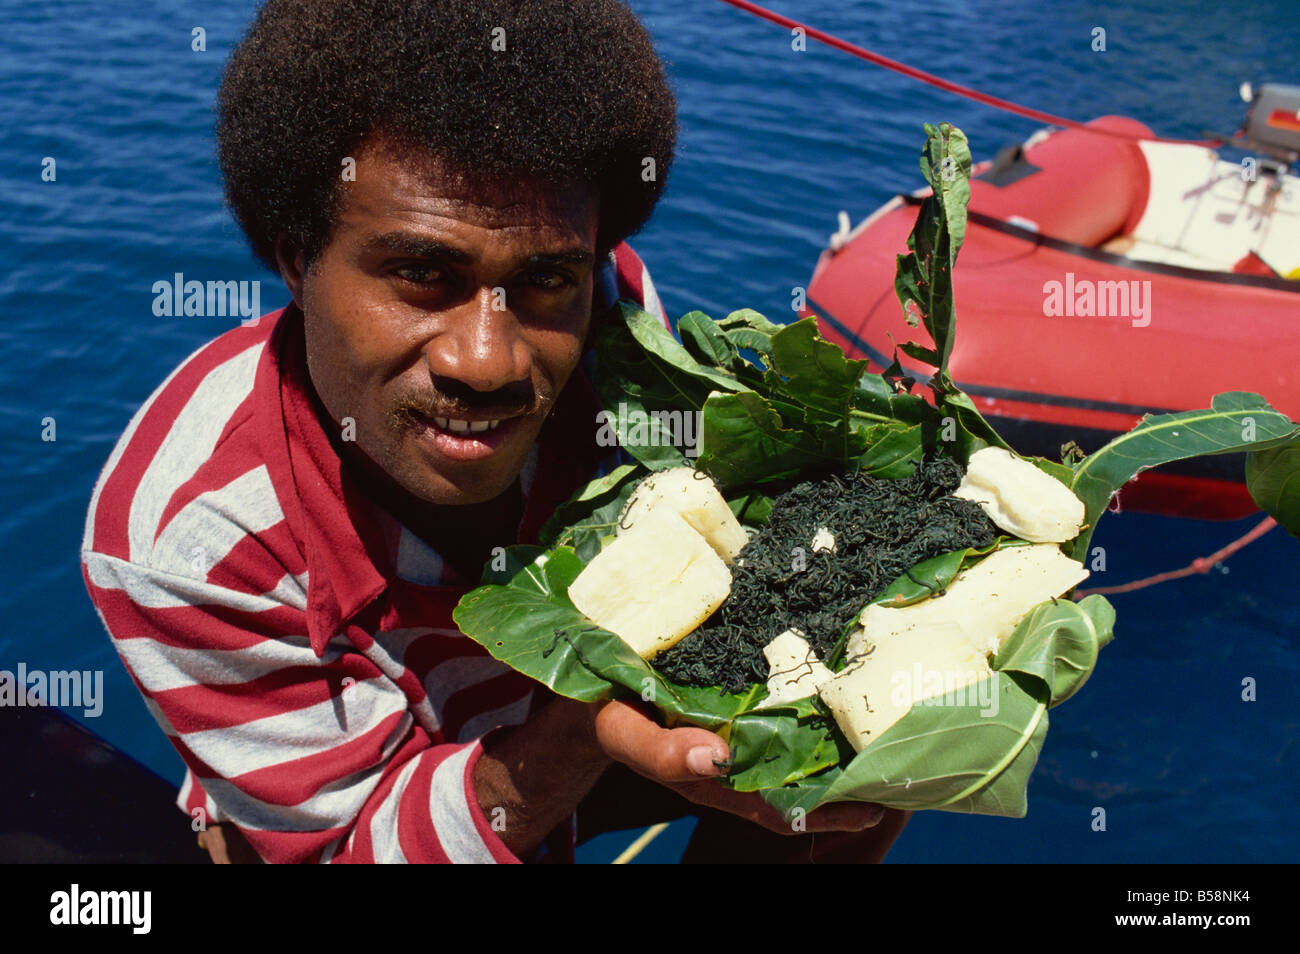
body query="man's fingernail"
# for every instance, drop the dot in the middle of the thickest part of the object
(700, 761)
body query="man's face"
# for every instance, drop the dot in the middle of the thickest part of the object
(444, 319)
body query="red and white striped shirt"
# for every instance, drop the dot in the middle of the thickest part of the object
(293, 639)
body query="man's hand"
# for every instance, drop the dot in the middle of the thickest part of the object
(688, 760)
(538, 772)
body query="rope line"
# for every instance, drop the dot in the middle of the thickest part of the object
(634, 849)
(948, 85)
(1199, 565)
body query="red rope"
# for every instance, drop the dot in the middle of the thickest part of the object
(1199, 565)
(910, 71)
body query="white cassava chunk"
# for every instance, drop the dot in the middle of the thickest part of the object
(878, 688)
(692, 494)
(1020, 498)
(654, 584)
(795, 670)
(985, 601)
(823, 541)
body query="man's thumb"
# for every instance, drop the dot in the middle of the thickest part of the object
(665, 755)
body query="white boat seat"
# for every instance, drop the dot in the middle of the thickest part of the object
(1201, 212)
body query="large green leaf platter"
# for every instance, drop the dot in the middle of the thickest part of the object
(778, 403)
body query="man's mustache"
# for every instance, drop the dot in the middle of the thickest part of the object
(454, 399)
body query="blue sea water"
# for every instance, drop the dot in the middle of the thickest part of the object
(774, 143)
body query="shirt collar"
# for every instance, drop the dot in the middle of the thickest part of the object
(341, 536)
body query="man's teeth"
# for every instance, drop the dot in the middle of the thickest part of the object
(464, 427)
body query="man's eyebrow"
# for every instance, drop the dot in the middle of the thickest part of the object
(576, 256)
(417, 247)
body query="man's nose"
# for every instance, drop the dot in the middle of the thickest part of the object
(482, 345)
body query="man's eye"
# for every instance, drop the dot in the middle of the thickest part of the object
(550, 281)
(419, 274)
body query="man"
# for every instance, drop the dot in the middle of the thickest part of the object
(278, 539)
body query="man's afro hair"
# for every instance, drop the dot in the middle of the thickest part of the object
(578, 93)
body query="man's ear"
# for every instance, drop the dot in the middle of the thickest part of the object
(290, 261)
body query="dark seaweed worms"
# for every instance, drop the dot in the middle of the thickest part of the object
(881, 528)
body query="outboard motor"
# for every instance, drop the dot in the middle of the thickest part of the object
(1272, 124)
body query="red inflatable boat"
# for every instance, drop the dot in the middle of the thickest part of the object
(1101, 279)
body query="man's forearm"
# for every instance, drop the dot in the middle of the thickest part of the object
(538, 772)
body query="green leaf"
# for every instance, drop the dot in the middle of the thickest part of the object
(755, 341)
(748, 318)
(931, 577)
(948, 749)
(780, 745)
(1008, 794)
(1062, 472)
(923, 580)
(519, 623)
(584, 520)
(874, 398)
(924, 276)
(946, 165)
(894, 454)
(752, 509)
(804, 795)
(1273, 478)
(645, 393)
(745, 441)
(650, 333)
(973, 430)
(1236, 421)
(948, 756)
(1057, 642)
(512, 562)
(746, 328)
(805, 420)
(919, 352)
(814, 371)
(815, 375)
(705, 341)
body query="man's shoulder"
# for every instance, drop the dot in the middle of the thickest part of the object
(189, 444)
(624, 275)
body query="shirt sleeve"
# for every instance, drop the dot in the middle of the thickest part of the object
(314, 759)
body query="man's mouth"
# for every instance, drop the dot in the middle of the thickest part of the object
(462, 439)
(464, 427)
